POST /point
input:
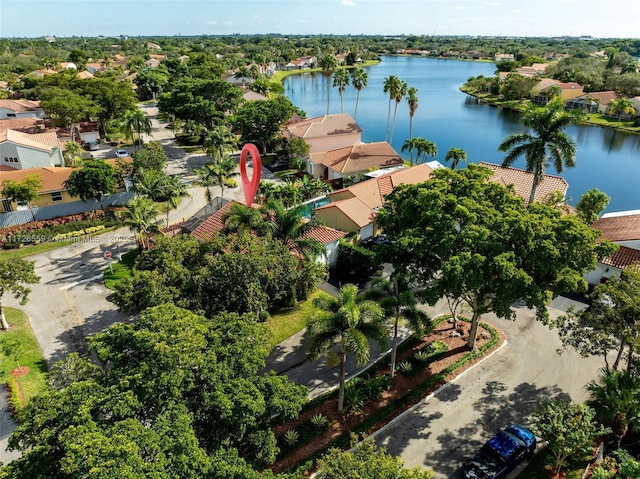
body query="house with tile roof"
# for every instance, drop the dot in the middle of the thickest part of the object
(568, 90)
(325, 133)
(329, 237)
(17, 109)
(352, 160)
(622, 228)
(20, 151)
(522, 182)
(354, 209)
(593, 102)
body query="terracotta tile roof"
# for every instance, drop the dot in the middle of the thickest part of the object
(25, 125)
(40, 141)
(324, 234)
(84, 75)
(603, 97)
(619, 226)
(372, 192)
(250, 95)
(52, 178)
(622, 258)
(325, 125)
(354, 209)
(523, 181)
(362, 157)
(212, 225)
(20, 105)
(7, 168)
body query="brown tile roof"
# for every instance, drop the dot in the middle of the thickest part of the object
(325, 125)
(372, 192)
(603, 97)
(324, 234)
(354, 209)
(52, 178)
(362, 157)
(20, 105)
(25, 125)
(212, 225)
(40, 141)
(619, 227)
(622, 258)
(84, 75)
(523, 181)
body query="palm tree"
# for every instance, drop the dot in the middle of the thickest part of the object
(242, 74)
(72, 151)
(140, 216)
(391, 86)
(328, 63)
(547, 141)
(616, 400)
(341, 80)
(400, 93)
(410, 144)
(173, 191)
(359, 80)
(216, 173)
(412, 101)
(351, 322)
(219, 141)
(621, 106)
(456, 155)
(397, 300)
(423, 147)
(135, 121)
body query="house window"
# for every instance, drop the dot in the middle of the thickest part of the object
(7, 206)
(6, 158)
(56, 196)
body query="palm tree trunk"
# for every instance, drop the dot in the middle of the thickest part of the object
(3, 319)
(386, 133)
(534, 189)
(393, 127)
(343, 372)
(328, 92)
(355, 112)
(394, 348)
(341, 103)
(411, 138)
(619, 356)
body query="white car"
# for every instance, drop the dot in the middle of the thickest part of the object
(121, 153)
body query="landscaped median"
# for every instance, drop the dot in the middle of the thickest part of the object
(372, 400)
(23, 371)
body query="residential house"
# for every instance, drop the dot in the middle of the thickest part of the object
(95, 67)
(325, 133)
(522, 182)
(594, 102)
(353, 209)
(301, 63)
(622, 228)
(152, 63)
(16, 109)
(53, 190)
(504, 57)
(68, 66)
(250, 95)
(352, 160)
(328, 237)
(153, 46)
(84, 75)
(20, 151)
(41, 73)
(534, 70)
(568, 90)
(636, 104)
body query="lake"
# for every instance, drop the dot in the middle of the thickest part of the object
(605, 159)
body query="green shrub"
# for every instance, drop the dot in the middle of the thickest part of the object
(354, 261)
(600, 472)
(230, 183)
(15, 401)
(319, 421)
(405, 367)
(291, 437)
(355, 397)
(375, 386)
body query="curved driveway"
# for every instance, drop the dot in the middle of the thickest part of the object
(443, 431)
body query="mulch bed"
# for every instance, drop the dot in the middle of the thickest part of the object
(21, 371)
(340, 424)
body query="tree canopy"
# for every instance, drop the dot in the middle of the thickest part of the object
(461, 235)
(261, 121)
(94, 180)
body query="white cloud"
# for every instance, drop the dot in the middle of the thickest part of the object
(461, 7)
(348, 3)
(212, 22)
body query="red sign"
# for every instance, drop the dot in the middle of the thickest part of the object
(107, 254)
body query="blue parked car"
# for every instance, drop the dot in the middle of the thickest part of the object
(501, 454)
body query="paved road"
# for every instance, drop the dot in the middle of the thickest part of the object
(442, 432)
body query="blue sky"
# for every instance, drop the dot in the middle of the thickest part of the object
(598, 18)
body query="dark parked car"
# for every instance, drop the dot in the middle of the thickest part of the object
(501, 454)
(279, 165)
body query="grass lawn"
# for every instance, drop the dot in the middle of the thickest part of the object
(48, 246)
(121, 270)
(35, 381)
(287, 323)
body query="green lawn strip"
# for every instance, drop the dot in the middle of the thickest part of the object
(394, 408)
(285, 324)
(536, 467)
(121, 269)
(49, 245)
(35, 381)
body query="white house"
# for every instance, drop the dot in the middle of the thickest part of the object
(20, 151)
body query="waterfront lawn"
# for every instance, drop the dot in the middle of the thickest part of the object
(35, 381)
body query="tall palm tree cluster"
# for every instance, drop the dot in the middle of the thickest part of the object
(218, 143)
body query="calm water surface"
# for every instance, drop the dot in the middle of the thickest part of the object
(606, 159)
